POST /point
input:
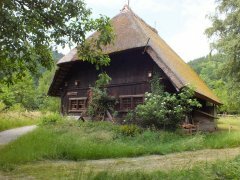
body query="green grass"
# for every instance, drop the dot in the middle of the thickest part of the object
(217, 170)
(12, 119)
(224, 123)
(73, 140)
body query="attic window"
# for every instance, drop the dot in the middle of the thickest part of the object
(77, 83)
(77, 104)
(128, 102)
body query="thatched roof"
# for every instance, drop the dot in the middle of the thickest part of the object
(132, 32)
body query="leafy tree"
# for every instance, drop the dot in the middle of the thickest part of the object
(30, 29)
(210, 69)
(20, 93)
(99, 101)
(226, 40)
(29, 92)
(226, 34)
(45, 102)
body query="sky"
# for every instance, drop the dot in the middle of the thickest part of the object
(181, 23)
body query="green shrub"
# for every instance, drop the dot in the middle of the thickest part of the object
(17, 107)
(164, 110)
(51, 119)
(2, 106)
(130, 118)
(47, 104)
(129, 130)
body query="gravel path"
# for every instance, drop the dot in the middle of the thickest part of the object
(12, 134)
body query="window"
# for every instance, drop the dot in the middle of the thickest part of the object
(130, 101)
(137, 101)
(126, 103)
(73, 104)
(77, 104)
(81, 104)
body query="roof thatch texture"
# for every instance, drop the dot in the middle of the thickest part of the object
(132, 32)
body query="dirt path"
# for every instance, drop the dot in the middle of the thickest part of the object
(184, 160)
(12, 134)
(71, 169)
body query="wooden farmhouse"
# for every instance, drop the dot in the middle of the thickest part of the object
(136, 53)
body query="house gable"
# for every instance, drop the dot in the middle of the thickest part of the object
(131, 33)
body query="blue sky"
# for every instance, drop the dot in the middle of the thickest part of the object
(181, 23)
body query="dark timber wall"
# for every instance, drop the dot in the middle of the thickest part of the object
(128, 70)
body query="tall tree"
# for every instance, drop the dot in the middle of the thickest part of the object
(31, 93)
(30, 29)
(22, 92)
(44, 101)
(210, 69)
(225, 33)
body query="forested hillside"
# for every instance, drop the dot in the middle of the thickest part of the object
(30, 91)
(212, 69)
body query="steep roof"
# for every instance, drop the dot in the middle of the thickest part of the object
(132, 32)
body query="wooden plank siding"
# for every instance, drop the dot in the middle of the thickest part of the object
(128, 70)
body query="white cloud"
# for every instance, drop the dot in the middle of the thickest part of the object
(151, 6)
(190, 42)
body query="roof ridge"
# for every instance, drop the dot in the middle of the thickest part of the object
(125, 8)
(139, 18)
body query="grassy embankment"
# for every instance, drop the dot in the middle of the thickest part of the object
(10, 119)
(72, 140)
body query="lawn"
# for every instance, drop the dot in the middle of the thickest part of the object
(12, 119)
(60, 139)
(76, 140)
(229, 122)
(228, 169)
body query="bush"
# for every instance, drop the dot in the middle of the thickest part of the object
(130, 117)
(2, 106)
(47, 104)
(129, 130)
(164, 110)
(18, 107)
(51, 119)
